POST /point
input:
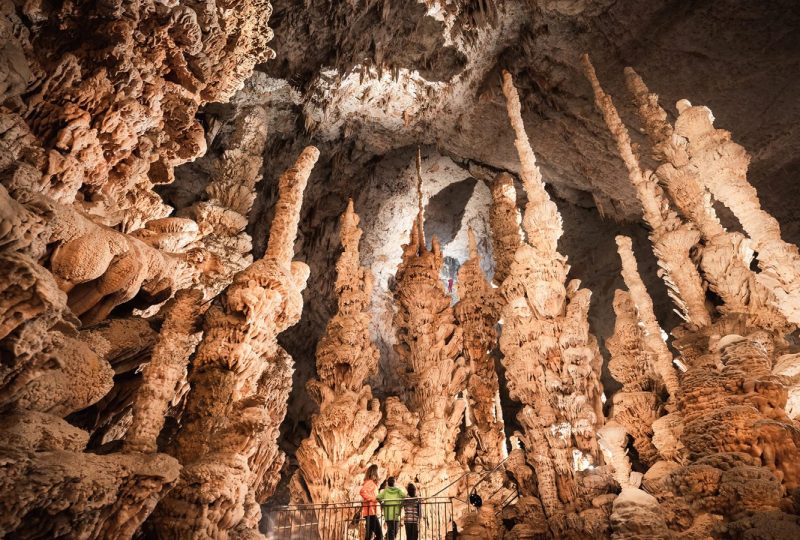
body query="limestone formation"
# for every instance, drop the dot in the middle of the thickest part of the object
(51, 488)
(671, 238)
(240, 383)
(727, 426)
(505, 221)
(112, 94)
(552, 361)
(230, 195)
(636, 404)
(725, 256)
(421, 434)
(723, 171)
(147, 363)
(477, 313)
(165, 373)
(347, 431)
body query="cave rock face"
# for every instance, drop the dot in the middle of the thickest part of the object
(184, 346)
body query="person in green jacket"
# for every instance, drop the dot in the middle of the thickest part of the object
(392, 500)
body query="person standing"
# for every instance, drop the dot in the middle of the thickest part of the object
(411, 512)
(369, 504)
(392, 500)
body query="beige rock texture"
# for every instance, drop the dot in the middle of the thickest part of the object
(347, 430)
(478, 313)
(147, 363)
(552, 361)
(727, 427)
(423, 426)
(240, 380)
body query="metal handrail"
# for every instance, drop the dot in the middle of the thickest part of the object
(342, 520)
(487, 474)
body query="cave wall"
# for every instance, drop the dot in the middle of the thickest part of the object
(128, 144)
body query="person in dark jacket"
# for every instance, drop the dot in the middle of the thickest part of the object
(412, 509)
(392, 500)
(369, 504)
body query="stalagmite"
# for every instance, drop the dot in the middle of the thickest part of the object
(729, 429)
(672, 240)
(552, 361)
(167, 368)
(725, 256)
(723, 167)
(477, 313)
(728, 405)
(644, 308)
(504, 220)
(632, 363)
(240, 384)
(222, 218)
(347, 431)
(429, 343)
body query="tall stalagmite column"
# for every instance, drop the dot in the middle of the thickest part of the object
(552, 361)
(725, 256)
(429, 347)
(477, 313)
(240, 381)
(671, 238)
(346, 432)
(724, 173)
(504, 221)
(635, 405)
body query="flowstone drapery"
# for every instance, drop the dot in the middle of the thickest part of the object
(552, 361)
(347, 430)
(240, 381)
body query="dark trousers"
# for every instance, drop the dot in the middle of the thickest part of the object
(412, 531)
(392, 528)
(373, 526)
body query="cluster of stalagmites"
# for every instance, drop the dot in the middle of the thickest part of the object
(347, 431)
(143, 387)
(713, 435)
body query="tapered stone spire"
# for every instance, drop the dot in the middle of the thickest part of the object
(347, 430)
(552, 361)
(241, 379)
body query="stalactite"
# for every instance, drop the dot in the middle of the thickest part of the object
(552, 361)
(477, 313)
(671, 238)
(347, 431)
(240, 381)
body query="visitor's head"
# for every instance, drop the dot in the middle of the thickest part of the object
(372, 473)
(411, 489)
(390, 481)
